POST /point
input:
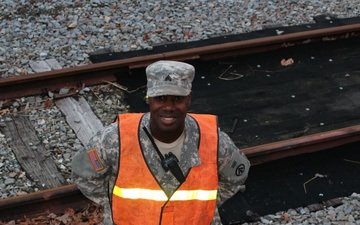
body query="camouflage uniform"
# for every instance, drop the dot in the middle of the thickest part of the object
(98, 185)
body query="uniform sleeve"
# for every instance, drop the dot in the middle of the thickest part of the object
(92, 169)
(233, 168)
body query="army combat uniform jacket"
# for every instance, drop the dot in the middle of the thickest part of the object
(95, 170)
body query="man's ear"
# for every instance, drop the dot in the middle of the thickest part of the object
(190, 95)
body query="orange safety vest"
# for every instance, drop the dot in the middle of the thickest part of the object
(137, 197)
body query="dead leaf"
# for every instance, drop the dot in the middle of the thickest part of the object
(286, 217)
(4, 112)
(63, 218)
(146, 37)
(81, 37)
(78, 4)
(48, 104)
(287, 62)
(93, 214)
(69, 211)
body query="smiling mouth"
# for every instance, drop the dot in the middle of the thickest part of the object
(168, 120)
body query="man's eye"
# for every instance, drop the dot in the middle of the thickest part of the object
(179, 98)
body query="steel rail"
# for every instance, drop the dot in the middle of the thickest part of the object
(94, 74)
(306, 144)
(58, 199)
(54, 200)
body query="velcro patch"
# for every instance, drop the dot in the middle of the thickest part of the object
(236, 168)
(95, 160)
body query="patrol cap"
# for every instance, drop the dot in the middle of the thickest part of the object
(169, 78)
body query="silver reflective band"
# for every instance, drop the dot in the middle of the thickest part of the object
(158, 195)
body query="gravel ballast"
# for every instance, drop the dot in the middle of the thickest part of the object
(69, 31)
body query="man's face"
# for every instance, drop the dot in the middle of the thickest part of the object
(167, 116)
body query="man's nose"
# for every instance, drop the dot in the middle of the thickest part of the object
(169, 103)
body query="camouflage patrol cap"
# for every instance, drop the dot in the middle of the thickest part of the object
(169, 78)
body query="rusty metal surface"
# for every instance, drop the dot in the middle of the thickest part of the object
(78, 77)
(306, 144)
(38, 203)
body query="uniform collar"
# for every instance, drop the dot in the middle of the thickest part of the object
(189, 153)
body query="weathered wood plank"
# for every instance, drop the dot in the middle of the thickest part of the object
(80, 117)
(30, 153)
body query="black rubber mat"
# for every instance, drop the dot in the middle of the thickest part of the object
(271, 102)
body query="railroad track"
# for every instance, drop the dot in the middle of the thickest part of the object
(57, 199)
(78, 77)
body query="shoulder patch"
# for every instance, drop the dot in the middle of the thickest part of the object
(95, 160)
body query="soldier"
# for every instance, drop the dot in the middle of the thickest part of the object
(165, 166)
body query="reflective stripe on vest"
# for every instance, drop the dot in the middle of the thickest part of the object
(137, 197)
(159, 195)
